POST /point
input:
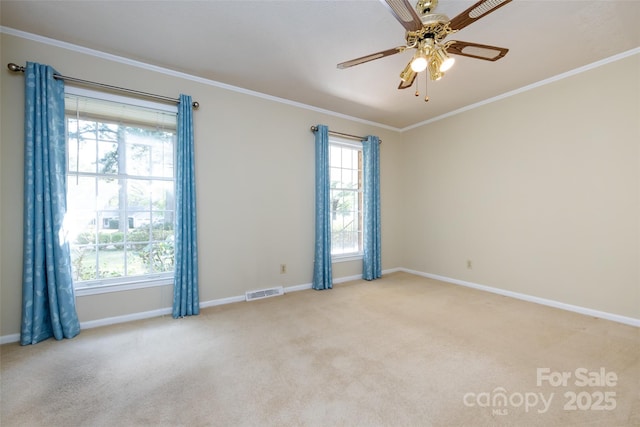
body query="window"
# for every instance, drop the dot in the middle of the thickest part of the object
(120, 190)
(345, 161)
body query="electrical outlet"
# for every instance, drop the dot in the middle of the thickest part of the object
(469, 265)
(283, 268)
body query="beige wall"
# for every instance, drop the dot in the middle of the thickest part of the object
(540, 191)
(255, 185)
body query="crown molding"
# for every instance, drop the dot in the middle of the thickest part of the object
(209, 82)
(181, 75)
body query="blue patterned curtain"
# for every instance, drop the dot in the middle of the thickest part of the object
(48, 301)
(186, 301)
(372, 261)
(322, 260)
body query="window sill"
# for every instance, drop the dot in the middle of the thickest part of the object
(346, 258)
(95, 289)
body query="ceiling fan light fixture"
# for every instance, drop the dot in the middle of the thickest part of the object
(419, 63)
(407, 74)
(445, 61)
(420, 60)
(434, 69)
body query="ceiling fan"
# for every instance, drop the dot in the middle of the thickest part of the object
(426, 31)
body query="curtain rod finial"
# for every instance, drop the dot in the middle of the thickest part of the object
(15, 68)
(195, 105)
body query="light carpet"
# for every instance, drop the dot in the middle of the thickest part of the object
(399, 351)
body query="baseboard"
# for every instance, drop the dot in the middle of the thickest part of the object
(543, 301)
(347, 279)
(6, 339)
(126, 318)
(297, 288)
(222, 301)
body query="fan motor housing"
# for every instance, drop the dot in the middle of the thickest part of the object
(434, 26)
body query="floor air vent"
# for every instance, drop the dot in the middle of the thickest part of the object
(264, 293)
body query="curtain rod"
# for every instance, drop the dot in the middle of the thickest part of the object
(17, 68)
(346, 135)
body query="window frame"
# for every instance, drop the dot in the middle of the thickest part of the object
(356, 146)
(123, 283)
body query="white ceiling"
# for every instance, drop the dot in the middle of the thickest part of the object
(289, 49)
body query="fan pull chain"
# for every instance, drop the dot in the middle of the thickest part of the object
(426, 86)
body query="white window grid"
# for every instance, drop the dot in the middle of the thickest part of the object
(132, 281)
(346, 199)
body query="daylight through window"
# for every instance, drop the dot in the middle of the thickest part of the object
(345, 161)
(120, 191)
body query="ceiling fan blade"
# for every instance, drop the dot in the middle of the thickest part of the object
(404, 13)
(476, 50)
(475, 12)
(371, 57)
(409, 82)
